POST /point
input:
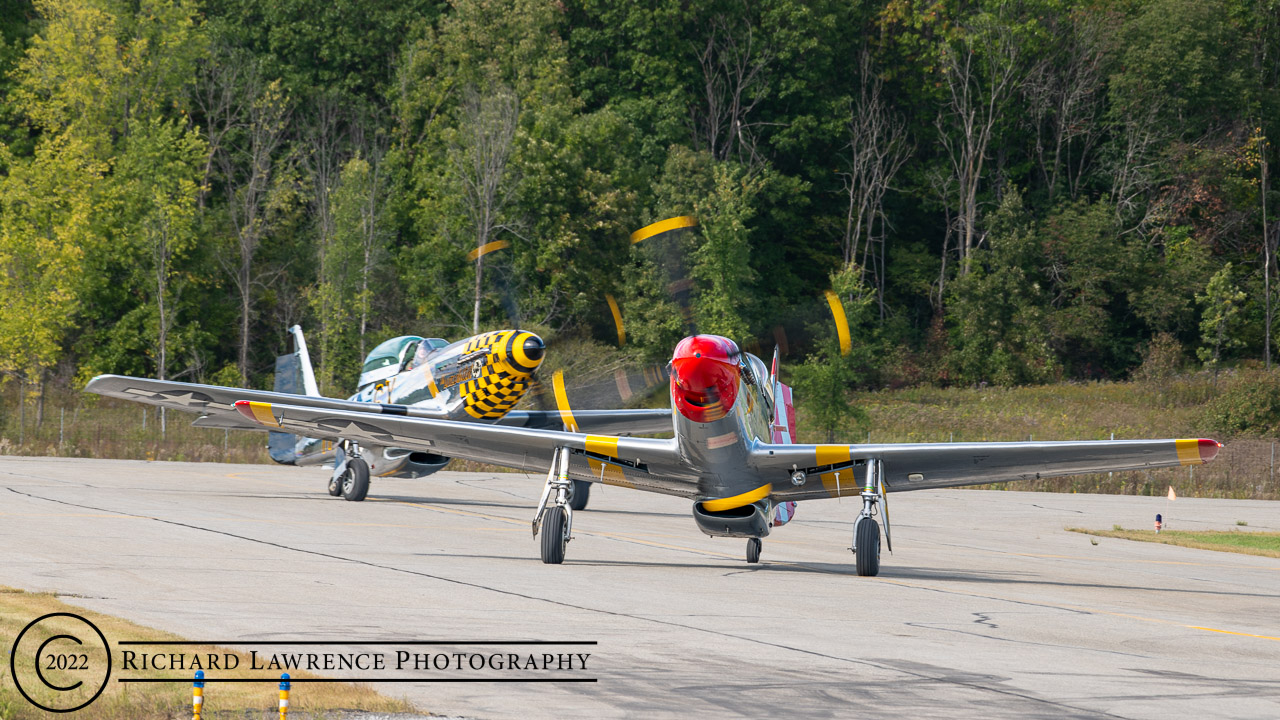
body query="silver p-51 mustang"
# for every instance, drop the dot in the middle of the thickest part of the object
(733, 453)
(477, 380)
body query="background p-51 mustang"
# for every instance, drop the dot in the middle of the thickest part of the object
(477, 380)
(733, 454)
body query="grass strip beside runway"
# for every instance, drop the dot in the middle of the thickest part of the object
(1266, 544)
(129, 701)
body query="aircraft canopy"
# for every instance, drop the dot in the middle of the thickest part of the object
(387, 359)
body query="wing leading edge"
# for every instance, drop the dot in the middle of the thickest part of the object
(217, 404)
(840, 469)
(515, 447)
(216, 399)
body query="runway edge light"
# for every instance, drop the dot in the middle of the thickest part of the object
(197, 695)
(284, 696)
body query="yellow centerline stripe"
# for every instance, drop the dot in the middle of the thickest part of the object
(825, 571)
(1232, 632)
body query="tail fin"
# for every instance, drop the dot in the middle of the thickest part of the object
(304, 362)
(295, 376)
(784, 412)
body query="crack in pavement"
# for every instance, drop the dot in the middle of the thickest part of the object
(885, 667)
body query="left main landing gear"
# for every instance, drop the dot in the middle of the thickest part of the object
(350, 477)
(866, 531)
(754, 546)
(558, 518)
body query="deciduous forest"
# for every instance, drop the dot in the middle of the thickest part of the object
(1003, 192)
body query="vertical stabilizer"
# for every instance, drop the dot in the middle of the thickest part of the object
(304, 362)
(293, 376)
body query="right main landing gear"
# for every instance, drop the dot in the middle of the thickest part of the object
(866, 548)
(866, 531)
(556, 521)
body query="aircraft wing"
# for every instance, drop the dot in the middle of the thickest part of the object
(213, 400)
(911, 466)
(520, 448)
(604, 422)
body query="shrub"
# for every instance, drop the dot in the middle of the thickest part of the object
(1249, 404)
(1162, 358)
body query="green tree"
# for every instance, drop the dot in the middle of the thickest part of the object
(1219, 325)
(351, 266)
(998, 313)
(48, 205)
(828, 375)
(156, 185)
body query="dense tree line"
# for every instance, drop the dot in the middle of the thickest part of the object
(1001, 191)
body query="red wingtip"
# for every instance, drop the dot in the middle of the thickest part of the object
(243, 407)
(1208, 449)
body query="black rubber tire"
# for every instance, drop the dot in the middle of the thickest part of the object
(335, 486)
(867, 554)
(355, 482)
(754, 546)
(553, 535)
(579, 495)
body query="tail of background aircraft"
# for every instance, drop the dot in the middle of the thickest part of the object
(295, 376)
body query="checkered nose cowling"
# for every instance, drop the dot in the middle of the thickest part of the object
(501, 377)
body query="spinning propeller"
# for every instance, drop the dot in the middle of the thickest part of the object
(583, 374)
(584, 378)
(668, 243)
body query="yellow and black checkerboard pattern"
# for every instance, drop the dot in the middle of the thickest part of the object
(504, 376)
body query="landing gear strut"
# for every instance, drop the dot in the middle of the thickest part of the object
(351, 474)
(558, 518)
(866, 531)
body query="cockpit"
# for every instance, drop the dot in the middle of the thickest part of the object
(396, 355)
(760, 375)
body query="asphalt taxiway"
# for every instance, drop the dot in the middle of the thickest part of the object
(987, 608)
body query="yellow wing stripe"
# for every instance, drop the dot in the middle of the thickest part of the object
(487, 248)
(841, 483)
(262, 411)
(842, 322)
(562, 402)
(602, 445)
(609, 474)
(662, 226)
(831, 454)
(736, 501)
(1188, 451)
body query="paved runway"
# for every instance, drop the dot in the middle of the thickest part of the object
(987, 609)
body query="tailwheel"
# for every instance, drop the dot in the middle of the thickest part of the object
(754, 546)
(355, 481)
(867, 547)
(335, 485)
(555, 535)
(578, 494)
